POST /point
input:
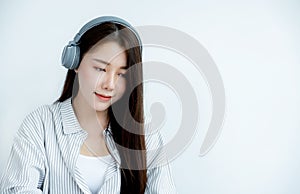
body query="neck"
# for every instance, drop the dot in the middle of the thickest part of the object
(94, 122)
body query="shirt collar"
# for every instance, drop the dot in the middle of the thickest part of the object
(69, 119)
(71, 125)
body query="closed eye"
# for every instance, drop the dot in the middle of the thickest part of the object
(122, 74)
(99, 69)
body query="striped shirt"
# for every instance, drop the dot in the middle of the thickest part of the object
(45, 152)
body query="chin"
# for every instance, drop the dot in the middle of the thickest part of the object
(100, 108)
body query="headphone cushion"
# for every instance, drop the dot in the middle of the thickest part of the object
(70, 56)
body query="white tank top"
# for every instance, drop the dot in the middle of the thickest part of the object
(93, 170)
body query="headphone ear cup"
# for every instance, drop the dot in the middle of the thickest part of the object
(70, 56)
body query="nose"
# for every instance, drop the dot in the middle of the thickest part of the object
(108, 81)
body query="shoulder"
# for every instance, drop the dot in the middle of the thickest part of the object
(153, 139)
(155, 146)
(43, 113)
(34, 123)
(159, 173)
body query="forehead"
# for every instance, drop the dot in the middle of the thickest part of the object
(108, 51)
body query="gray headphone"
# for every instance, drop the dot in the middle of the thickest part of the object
(71, 53)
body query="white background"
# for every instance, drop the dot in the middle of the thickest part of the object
(255, 45)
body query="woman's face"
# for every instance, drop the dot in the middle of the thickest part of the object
(100, 75)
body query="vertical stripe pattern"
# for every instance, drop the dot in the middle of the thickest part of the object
(45, 151)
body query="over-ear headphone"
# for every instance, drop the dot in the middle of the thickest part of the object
(71, 53)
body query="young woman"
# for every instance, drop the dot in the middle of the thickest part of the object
(92, 139)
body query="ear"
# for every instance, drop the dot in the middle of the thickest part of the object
(76, 70)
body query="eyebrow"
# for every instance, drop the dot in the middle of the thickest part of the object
(107, 63)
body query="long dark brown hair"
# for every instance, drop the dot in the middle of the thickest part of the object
(133, 181)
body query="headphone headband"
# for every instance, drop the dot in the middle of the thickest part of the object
(71, 52)
(101, 20)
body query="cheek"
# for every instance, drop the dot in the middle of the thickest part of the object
(87, 80)
(121, 86)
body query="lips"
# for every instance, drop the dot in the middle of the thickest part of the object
(103, 97)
